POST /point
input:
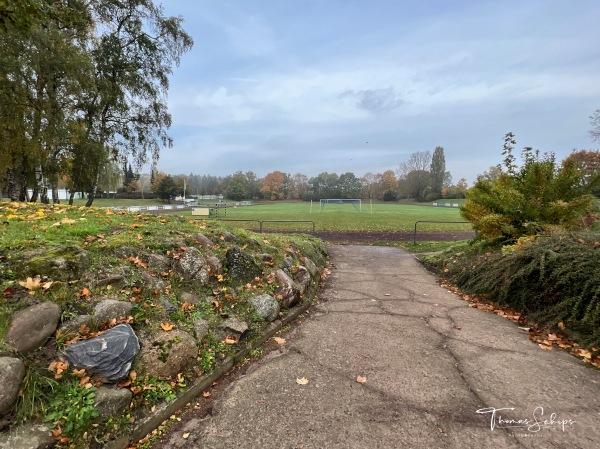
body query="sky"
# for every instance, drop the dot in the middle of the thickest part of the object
(312, 86)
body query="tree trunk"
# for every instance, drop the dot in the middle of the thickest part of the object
(55, 197)
(71, 196)
(91, 196)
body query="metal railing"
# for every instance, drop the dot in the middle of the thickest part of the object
(261, 222)
(434, 221)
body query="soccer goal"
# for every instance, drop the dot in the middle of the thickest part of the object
(354, 202)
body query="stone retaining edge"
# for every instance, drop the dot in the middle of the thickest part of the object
(164, 412)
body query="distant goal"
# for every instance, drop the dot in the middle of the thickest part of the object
(340, 201)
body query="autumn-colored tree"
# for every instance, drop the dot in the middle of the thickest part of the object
(589, 161)
(388, 186)
(274, 186)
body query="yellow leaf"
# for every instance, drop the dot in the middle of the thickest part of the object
(31, 283)
(186, 435)
(166, 326)
(302, 381)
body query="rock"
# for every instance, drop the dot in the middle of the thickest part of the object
(288, 262)
(229, 237)
(72, 326)
(108, 356)
(111, 308)
(311, 266)
(31, 327)
(216, 267)
(111, 401)
(203, 240)
(194, 266)
(233, 327)
(150, 282)
(188, 297)
(29, 436)
(12, 373)
(302, 278)
(201, 328)
(158, 262)
(124, 252)
(266, 307)
(168, 306)
(167, 353)
(242, 265)
(61, 264)
(266, 257)
(287, 289)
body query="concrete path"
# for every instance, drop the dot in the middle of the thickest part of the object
(435, 370)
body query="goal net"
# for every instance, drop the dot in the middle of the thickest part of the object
(329, 201)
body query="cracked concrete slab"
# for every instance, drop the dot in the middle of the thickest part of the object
(438, 374)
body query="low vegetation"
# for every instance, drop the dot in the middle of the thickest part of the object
(119, 245)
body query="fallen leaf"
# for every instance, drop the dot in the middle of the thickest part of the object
(206, 394)
(561, 326)
(186, 435)
(166, 326)
(302, 381)
(546, 347)
(279, 340)
(361, 379)
(230, 340)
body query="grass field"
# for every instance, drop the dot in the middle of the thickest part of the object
(385, 217)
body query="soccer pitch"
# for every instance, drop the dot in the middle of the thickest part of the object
(380, 217)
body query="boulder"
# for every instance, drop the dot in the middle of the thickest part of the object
(168, 306)
(159, 262)
(229, 237)
(111, 308)
(111, 401)
(31, 327)
(188, 297)
(201, 328)
(29, 436)
(72, 326)
(242, 265)
(149, 282)
(266, 307)
(288, 262)
(12, 373)
(60, 264)
(287, 290)
(194, 266)
(108, 356)
(216, 267)
(167, 353)
(203, 240)
(232, 327)
(311, 266)
(302, 279)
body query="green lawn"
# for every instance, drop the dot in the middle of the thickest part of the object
(379, 217)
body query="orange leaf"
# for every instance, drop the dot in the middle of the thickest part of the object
(361, 379)
(279, 340)
(206, 394)
(230, 340)
(166, 326)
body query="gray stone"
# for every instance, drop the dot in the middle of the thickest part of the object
(108, 356)
(288, 262)
(111, 308)
(194, 266)
(112, 401)
(266, 257)
(159, 262)
(265, 306)
(29, 436)
(168, 306)
(201, 328)
(72, 326)
(302, 279)
(188, 297)
(12, 373)
(31, 327)
(233, 327)
(151, 282)
(203, 240)
(287, 290)
(125, 252)
(242, 265)
(167, 353)
(311, 266)
(60, 264)
(216, 267)
(229, 237)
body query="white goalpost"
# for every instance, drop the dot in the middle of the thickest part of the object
(357, 203)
